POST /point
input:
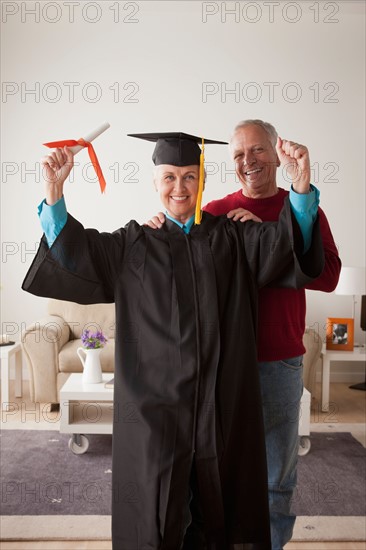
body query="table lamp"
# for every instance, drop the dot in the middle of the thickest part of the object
(352, 283)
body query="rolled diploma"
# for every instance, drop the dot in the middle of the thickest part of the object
(91, 136)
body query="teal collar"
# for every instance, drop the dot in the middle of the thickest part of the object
(185, 226)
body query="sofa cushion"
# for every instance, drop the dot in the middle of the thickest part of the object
(82, 317)
(69, 361)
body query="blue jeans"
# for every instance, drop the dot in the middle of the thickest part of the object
(281, 386)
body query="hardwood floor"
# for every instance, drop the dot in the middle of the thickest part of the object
(325, 546)
(347, 407)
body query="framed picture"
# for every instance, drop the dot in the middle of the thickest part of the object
(339, 334)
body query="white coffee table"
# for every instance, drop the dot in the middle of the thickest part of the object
(85, 409)
(88, 409)
(7, 354)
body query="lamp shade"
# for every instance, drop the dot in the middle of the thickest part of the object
(351, 281)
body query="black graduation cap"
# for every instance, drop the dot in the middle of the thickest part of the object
(176, 148)
(180, 149)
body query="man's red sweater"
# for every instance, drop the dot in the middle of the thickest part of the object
(281, 311)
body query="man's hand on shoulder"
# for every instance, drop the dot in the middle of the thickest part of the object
(156, 222)
(242, 215)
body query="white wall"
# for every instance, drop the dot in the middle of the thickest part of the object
(305, 61)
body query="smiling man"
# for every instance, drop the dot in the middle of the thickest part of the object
(256, 160)
(281, 311)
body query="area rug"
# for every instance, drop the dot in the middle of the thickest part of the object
(50, 493)
(331, 477)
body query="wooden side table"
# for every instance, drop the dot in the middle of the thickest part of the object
(7, 354)
(358, 354)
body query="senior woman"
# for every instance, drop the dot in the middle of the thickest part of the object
(187, 431)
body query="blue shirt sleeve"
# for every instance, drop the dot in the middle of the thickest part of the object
(52, 218)
(305, 209)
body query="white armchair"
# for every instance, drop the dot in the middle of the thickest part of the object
(50, 345)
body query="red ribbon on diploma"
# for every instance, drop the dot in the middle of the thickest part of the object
(92, 155)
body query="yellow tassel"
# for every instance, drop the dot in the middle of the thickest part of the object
(198, 213)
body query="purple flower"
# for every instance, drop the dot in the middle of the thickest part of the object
(93, 340)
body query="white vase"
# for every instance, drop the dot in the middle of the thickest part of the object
(92, 369)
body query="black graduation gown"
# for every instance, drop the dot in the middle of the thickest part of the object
(186, 380)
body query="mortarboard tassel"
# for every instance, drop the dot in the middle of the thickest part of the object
(92, 155)
(198, 213)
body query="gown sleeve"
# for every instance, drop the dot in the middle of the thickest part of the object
(81, 266)
(274, 251)
(328, 279)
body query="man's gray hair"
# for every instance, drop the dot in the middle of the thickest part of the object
(267, 127)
